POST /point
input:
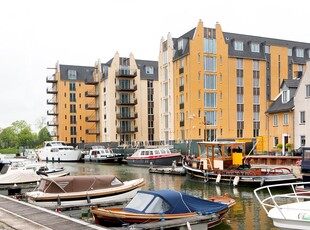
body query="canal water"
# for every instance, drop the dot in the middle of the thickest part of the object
(246, 214)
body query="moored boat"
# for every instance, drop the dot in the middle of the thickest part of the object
(74, 191)
(58, 151)
(100, 154)
(224, 162)
(288, 208)
(163, 205)
(154, 157)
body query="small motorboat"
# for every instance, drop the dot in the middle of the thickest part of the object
(225, 162)
(163, 205)
(154, 157)
(76, 191)
(285, 205)
(100, 154)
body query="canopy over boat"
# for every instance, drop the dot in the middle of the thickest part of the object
(171, 202)
(78, 183)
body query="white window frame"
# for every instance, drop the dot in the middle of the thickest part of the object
(238, 45)
(275, 120)
(72, 75)
(149, 69)
(255, 47)
(300, 52)
(285, 118)
(307, 91)
(302, 117)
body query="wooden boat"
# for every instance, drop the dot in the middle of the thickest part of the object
(305, 170)
(100, 154)
(288, 210)
(74, 191)
(162, 205)
(58, 151)
(154, 157)
(224, 162)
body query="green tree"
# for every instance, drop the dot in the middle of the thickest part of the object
(25, 137)
(8, 137)
(44, 135)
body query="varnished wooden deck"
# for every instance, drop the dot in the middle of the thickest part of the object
(21, 215)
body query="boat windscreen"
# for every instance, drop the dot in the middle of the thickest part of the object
(139, 202)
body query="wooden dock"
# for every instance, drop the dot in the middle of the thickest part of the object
(19, 215)
(168, 170)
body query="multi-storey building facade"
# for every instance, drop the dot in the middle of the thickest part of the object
(225, 82)
(302, 111)
(110, 102)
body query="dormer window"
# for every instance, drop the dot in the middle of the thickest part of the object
(289, 52)
(238, 45)
(149, 70)
(180, 44)
(71, 74)
(299, 52)
(285, 96)
(255, 47)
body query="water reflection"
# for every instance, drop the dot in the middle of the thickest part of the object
(246, 214)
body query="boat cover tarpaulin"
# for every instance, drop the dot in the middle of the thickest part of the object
(78, 183)
(180, 202)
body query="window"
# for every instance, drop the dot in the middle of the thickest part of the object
(72, 74)
(285, 119)
(240, 115)
(210, 117)
(255, 47)
(180, 44)
(210, 64)
(307, 90)
(73, 130)
(72, 119)
(302, 140)
(267, 49)
(72, 97)
(285, 96)
(181, 116)
(209, 46)
(299, 52)
(209, 81)
(289, 52)
(72, 108)
(275, 141)
(210, 100)
(275, 120)
(302, 117)
(149, 70)
(181, 81)
(72, 86)
(238, 45)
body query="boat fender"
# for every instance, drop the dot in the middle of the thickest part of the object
(218, 178)
(88, 199)
(236, 180)
(262, 182)
(58, 201)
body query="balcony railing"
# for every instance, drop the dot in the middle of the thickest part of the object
(91, 119)
(127, 88)
(53, 90)
(127, 102)
(126, 116)
(126, 73)
(52, 123)
(92, 131)
(91, 82)
(52, 101)
(51, 79)
(91, 94)
(91, 106)
(127, 129)
(52, 112)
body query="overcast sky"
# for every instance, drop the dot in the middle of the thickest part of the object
(35, 34)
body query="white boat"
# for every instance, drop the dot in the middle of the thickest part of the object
(154, 157)
(58, 151)
(285, 205)
(76, 191)
(100, 154)
(21, 172)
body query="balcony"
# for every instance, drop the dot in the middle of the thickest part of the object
(127, 102)
(52, 123)
(91, 106)
(52, 90)
(91, 94)
(51, 79)
(52, 101)
(92, 119)
(126, 116)
(128, 88)
(92, 131)
(54, 134)
(127, 129)
(91, 82)
(52, 113)
(126, 73)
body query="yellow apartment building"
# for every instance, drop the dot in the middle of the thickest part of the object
(225, 82)
(110, 102)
